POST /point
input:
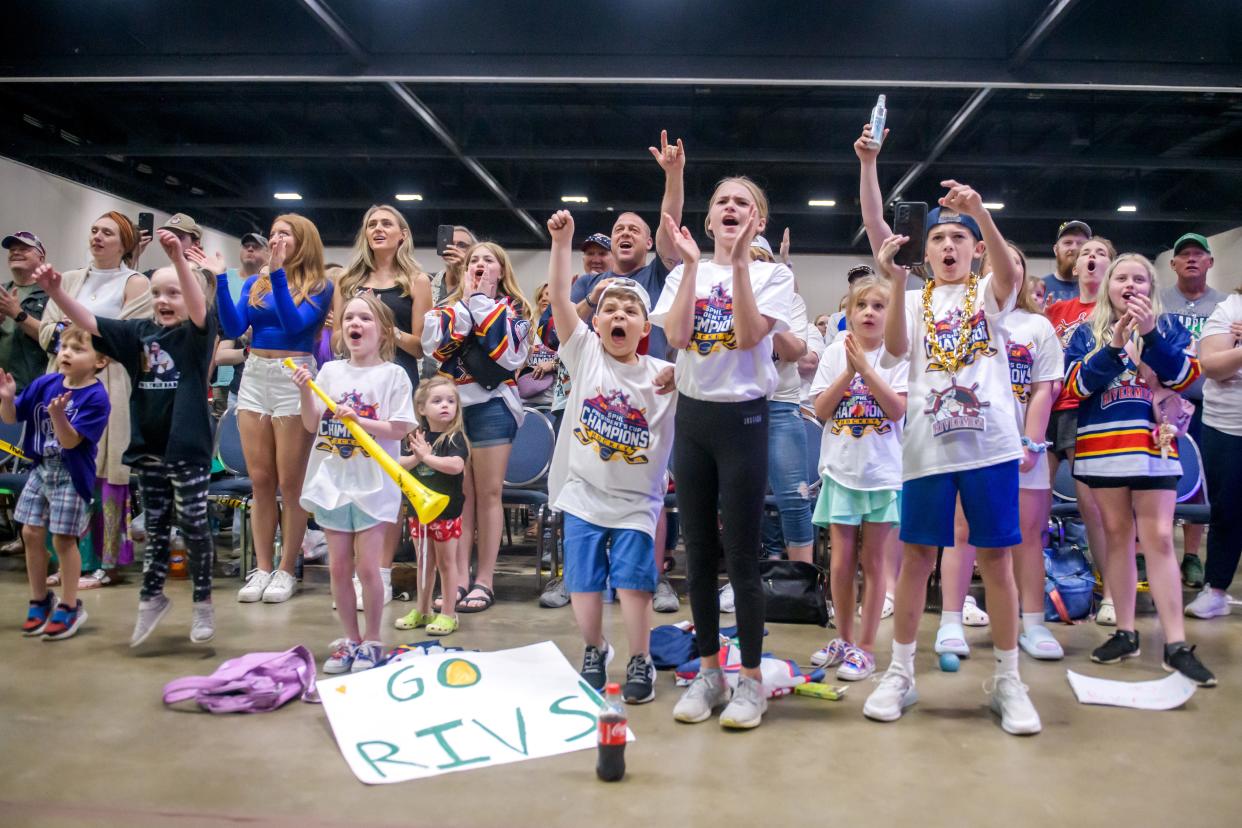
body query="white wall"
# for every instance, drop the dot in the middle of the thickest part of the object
(1226, 272)
(60, 212)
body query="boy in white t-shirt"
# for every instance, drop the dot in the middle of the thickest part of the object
(608, 471)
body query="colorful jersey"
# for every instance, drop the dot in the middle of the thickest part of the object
(1066, 317)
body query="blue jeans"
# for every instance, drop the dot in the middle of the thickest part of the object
(787, 452)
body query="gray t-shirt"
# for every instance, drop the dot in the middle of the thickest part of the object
(1192, 315)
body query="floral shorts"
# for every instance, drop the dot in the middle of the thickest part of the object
(441, 530)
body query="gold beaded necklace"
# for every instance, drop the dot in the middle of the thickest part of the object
(951, 360)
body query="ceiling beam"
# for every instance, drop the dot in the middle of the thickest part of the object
(327, 18)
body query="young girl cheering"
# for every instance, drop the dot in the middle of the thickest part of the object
(168, 359)
(354, 501)
(439, 454)
(1125, 456)
(863, 407)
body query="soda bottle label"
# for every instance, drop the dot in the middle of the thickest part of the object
(612, 732)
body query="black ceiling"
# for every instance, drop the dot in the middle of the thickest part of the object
(492, 110)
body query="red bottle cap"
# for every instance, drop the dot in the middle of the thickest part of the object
(611, 687)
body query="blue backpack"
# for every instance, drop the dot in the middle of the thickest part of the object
(1069, 581)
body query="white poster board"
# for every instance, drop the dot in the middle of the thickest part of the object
(1167, 693)
(457, 711)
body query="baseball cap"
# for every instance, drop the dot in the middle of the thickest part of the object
(23, 237)
(257, 238)
(1185, 239)
(942, 216)
(1074, 225)
(597, 238)
(762, 243)
(858, 271)
(184, 224)
(628, 287)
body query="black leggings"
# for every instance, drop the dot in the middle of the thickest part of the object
(720, 460)
(1222, 465)
(179, 488)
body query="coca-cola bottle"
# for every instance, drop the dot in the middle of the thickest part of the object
(610, 765)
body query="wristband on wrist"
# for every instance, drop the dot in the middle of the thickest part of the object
(21, 317)
(1034, 447)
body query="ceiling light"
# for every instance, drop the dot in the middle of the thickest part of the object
(574, 199)
(1127, 208)
(33, 121)
(197, 191)
(409, 196)
(287, 196)
(610, 208)
(994, 205)
(821, 202)
(145, 169)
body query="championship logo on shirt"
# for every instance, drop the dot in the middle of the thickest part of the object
(980, 342)
(713, 322)
(159, 372)
(858, 411)
(1065, 328)
(956, 408)
(336, 438)
(1020, 365)
(1125, 388)
(1192, 323)
(614, 426)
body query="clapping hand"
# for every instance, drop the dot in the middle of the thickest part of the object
(214, 263)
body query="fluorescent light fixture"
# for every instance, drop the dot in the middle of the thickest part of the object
(994, 205)
(409, 197)
(821, 202)
(574, 199)
(287, 196)
(1127, 208)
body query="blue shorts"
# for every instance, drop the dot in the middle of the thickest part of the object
(347, 518)
(489, 423)
(591, 566)
(989, 499)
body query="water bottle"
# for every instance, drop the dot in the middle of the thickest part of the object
(878, 116)
(610, 766)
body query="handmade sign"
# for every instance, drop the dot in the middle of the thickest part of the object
(1167, 693)
(458, 711)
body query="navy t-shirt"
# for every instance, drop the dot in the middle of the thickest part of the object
(652, 277)
(168, 368)
(87, 412)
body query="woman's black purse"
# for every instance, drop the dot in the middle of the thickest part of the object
(794, 592)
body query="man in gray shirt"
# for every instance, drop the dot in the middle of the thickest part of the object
(1191, 302)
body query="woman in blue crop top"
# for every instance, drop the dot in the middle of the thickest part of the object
(284, 312)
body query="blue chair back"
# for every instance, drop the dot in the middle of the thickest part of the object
(1063, 486)
(1191, 481)
(531, 456)
(229, 445)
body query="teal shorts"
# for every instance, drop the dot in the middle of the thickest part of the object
(850, 507)
(347, 518)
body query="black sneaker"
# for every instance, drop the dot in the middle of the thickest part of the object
(1120, 644)
(639, 680)
(1184, 661)
(595, 665)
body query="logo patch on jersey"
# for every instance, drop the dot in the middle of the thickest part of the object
(614, 427)
(1192, 323)
(159, 372)
(858, 411)
(979, 344)
(1020, 365)
(713, 323)
(956, 408)
(335, 437)
(1125, 388)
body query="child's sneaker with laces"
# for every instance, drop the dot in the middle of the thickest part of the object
(831, 654)
(640, 675)
(150, 612)
(857, 665)
(66, 621)
(342, 657)
(745, 710)
(707, 692)
(892, 696)
(1121, 644)
(368, 654)
(595, 665)
(1183, 660)
(1012, 702)
(39, 614)
(203, 622)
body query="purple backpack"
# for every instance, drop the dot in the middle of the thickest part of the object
(253, 683)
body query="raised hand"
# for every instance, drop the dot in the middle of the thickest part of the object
(598, 291)
(1139, 308)
(215, 264)
(863, 148)
(46, 277)
(671, 158)
(171, 244)
(8, 386)
(419, 445)
(1122, 330)
(962, 198)
(746, 235)
(682, 240)
(10, 305)
(855, 357)
(784, 251)
(280, 249)
(58, 404)
(561, 227)
(884, 256)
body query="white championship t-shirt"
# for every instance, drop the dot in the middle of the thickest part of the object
(339, 471)
(967, 421)
(713, 368)
(611, 460)
(1035, 355)
(788, 381)
(861, 447)
(1222, 399)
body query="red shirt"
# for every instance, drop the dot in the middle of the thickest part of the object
(1065, 317)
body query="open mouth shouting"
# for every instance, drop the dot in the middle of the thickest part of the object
(617, 334)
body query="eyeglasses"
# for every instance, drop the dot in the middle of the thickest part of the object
(460, 245)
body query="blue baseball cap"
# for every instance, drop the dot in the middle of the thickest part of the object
(942, 216)
(597, 238)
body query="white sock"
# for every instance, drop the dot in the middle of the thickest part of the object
(950, 618)
(1006, 661)
(903, 655)
(1032, 619)
(386, 576)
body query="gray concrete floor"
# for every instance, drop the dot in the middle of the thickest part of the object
(84, 738)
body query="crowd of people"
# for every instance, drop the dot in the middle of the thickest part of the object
(950, 394)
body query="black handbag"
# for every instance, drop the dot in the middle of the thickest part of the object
(794, 592)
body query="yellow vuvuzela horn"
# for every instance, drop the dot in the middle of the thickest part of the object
(13, 450)
(427, 504)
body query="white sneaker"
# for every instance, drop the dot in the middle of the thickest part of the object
(972, 616)
(203, 622)
(256, 582)
(892, 696)
(1208, 604)
(1106, 615)
(342, 657)
(702, 697)
(1012, 703)
(280, 588)
(858, 665)
(831, 654)
(368, 654)
(745, 710)
(726, 598)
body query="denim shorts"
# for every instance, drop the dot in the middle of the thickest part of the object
(989, 499)
(488, 423)
(347, 518)
(592, 564)
(267, 386)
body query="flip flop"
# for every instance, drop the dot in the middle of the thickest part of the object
(438, 603)
(488, 599)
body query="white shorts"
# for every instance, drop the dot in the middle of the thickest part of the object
(1036, 478)
(267, 386)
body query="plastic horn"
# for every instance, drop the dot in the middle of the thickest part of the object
(13, 450)
(427, 504)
